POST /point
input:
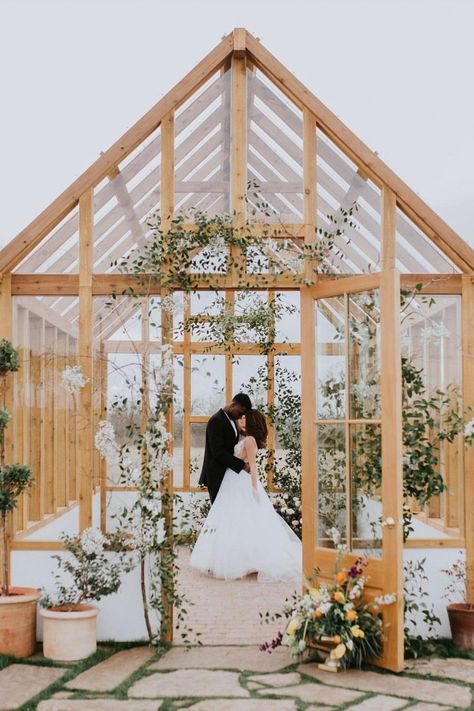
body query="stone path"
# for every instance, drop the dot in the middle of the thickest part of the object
(231, 678)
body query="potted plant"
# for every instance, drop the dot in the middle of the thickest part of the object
(17, 605)
(92, 570)
(460, 612)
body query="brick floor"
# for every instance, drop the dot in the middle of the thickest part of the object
(227, 612)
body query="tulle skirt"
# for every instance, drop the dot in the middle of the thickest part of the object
(242, 535)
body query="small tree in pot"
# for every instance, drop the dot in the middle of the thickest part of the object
(92, 570)
(460, 611)
(17, 605)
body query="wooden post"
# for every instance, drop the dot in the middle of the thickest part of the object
(308, 430)
(309, 189)
(468, 383)
(389, 229)
(186, 438)
(238, 175)
(6, 332)
(167, 210)
(392, 478)
(84, 410)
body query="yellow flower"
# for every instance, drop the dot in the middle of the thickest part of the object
(292, 627)
(351, 615)
(340, 577)
(357, 632)
(339, 651)
(339, 597)
(318, 613)
(315, 594)
(336, 639)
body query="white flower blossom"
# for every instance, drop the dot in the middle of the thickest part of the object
(435, 331)
(92, 541)
(334, 535)
(105, 441)
(387, 599)
(73, 379)
(169, 304)
(469, 428)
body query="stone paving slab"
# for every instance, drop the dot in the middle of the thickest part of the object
(98, 705)
(276, 680)
(315, 693)
(189, 682)
(428, 707)
(450, 668)
(420, 689)
(378, 703)
(246, 705)
(20, 682)
(224, 657)
(107, 675)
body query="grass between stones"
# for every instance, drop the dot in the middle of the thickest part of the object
(435, 648)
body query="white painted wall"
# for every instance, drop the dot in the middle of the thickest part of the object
(121, 615)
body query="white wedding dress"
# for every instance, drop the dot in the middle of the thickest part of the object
(243, 535)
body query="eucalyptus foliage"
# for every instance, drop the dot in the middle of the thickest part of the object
(14, 478)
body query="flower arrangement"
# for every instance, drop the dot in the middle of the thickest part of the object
(89, 573)
(336, 615)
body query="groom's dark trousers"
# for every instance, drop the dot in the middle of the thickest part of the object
(219, 453)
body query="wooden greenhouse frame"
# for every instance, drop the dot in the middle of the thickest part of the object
(61, 259)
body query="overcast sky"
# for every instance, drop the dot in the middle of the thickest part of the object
(76, 74)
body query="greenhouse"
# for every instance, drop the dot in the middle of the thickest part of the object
(240, 237)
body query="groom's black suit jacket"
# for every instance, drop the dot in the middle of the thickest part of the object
(219, 452)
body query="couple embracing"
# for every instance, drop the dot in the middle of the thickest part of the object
(242, 533)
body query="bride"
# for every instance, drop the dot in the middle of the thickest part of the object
(243, 533)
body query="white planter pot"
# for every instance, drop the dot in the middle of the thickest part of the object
(69, 636)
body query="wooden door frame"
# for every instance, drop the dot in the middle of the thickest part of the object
(389, 576)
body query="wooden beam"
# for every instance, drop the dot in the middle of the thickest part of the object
(468, 401)
(28, 238)
(240, 35)
(238, 160)
(352, 145)
(389, 229)
(392, 477)
(310, 189)
(84, 412)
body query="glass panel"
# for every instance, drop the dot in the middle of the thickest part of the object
(432, 344)
(207, 384)
(202, 150)
(288, 324)
(331, 489)
(366, 493)
(251, 307)
(331, 358)
(275, 153)
(341, 185)
(45, 419)
(58, 252)
(364, 355)
(178, 416)
(249, 374)
(198, 441)
(287, 410)
(416, 252)
(124, 204)
(205, 305)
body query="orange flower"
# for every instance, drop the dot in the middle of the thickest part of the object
(336, 639)
(339, 597)
(318, 613)
(340, 577)
(351, 615)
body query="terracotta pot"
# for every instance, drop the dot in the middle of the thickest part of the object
(461, 621)
(69, 636)
(18, 622)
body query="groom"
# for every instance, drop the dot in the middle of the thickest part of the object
(221, 438)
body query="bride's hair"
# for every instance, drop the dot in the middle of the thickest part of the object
(256, 426)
